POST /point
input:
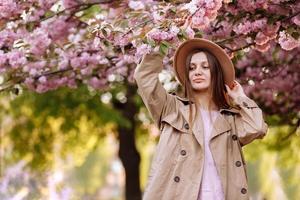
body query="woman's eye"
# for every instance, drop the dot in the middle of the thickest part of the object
(192, 67)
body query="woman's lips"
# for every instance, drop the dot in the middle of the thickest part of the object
(198, 80)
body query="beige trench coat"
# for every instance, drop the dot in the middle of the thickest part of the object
(176, 170)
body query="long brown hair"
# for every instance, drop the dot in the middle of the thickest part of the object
(217, 86)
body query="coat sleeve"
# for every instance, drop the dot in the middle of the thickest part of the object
(251, 122)
(152, 92)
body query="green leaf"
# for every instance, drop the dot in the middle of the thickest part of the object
(163, 48)
(151, 42)
(182, 34)
(173, 9)
(295, 35)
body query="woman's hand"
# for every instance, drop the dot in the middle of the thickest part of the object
(236, 91)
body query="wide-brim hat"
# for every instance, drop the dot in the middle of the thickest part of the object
(182, 52)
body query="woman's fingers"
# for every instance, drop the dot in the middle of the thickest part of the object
(227, 88)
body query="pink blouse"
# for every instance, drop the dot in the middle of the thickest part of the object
(211, 187)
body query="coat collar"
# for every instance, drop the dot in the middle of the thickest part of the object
(221, 125)
(186, 102)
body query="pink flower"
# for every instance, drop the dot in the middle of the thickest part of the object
(247, 26)
(262, 48)
(42, 79)
(157, 17)
(199, 20)
(190, 32)
(136, 5)
(58, 29)
(122, 40)
(7, 37)
(159, 35)
(191, 7)
(39, 42)
(46, 4)
(16, 59)
(261, 38)
(142, 50)
(70, 3)
(296, 20)
(259, 24)
(97, 83)
(287, 42)
(9, 8)
(86, 71)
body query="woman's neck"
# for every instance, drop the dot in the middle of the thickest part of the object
(203, 99)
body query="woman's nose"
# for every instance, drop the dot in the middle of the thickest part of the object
(198, 71)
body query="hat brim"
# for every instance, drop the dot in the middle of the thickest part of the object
(182, 52)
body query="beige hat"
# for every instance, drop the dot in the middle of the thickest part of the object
(179, 62)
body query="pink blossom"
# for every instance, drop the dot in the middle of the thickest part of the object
(296, 20)
(42, 79)
(231, 9)
(39, 42)
(263, 47)
(70, 3)
(259, 24)
(122, 40)
(247, 26)
(142, 50)
(157, 17)
(7, 37)
(159, 35)
(97, 83)
(41, 88)
(29, 82)
(271, 30)
(86, 71)
(261, 38)
(16, 58)
(287, 42)
(72, 83)
(77, 62)
(190, 32)
(46, 4)
(136, 5)
(251, 5)
(58, 29)
(210, 4)
(191, 7)
(8, 8)
(224, 30)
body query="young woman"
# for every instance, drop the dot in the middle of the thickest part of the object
(199, 153)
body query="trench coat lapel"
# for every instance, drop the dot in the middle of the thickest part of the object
(220, 125)
(198, 124)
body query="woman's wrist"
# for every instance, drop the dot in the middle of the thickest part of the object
(240, 99)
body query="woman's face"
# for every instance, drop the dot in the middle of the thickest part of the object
(199, 72)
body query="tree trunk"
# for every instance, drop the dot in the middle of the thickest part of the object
(128, 153)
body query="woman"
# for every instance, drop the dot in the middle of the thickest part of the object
(199, 152)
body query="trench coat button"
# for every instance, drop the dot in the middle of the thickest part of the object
(186, 126)
(243, 190)
(176, 179)
(245, 104)
(234, 137)
(238, 163)
(183, 152)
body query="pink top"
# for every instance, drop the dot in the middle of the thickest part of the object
(211, 187)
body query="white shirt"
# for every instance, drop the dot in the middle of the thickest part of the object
(211, 186)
